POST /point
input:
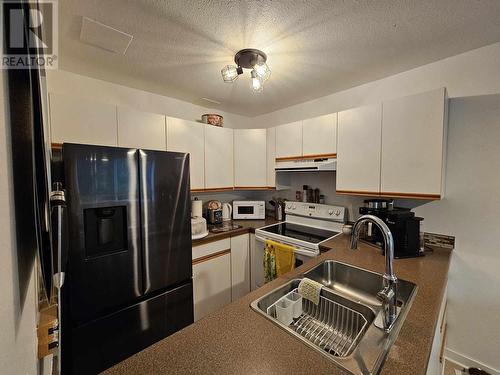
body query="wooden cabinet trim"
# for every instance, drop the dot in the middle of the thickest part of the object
(391, 194)
(356, 192)
(252, 188)
(410, 195)
(233, 188)
(206, 258)
(307, 157)
(319, 156)
(218, 189)
(287, 158)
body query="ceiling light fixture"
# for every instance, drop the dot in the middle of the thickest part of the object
(248, 58)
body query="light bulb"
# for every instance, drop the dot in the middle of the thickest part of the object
(256, 83)
(229, 73)
(263, 71)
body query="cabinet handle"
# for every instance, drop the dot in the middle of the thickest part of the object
(443, 344)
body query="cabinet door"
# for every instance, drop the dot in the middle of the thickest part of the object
(289, 140)
(188, 136)
(250, 158)
(211, 285)
(271, 156)
(240, 266)
(139, 129)
(319, 136)
(413, 145)
(435, 363)
(358, 150)
(78, 120)
(218, 158)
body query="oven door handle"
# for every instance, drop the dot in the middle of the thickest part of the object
(298, 250)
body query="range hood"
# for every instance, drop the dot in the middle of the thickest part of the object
(317, 165)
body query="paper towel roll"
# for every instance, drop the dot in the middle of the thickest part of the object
(196, 208)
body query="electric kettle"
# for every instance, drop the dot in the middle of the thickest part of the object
(227, 211)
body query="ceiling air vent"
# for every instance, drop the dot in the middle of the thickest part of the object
(103, 36)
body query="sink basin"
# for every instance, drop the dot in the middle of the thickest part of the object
(342, 326)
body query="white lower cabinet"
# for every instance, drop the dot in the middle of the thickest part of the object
(256, 267)
(221, 273)
(240, 266)
(211, 277)
(436, 361)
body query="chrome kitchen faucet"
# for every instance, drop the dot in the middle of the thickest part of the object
(388, 295)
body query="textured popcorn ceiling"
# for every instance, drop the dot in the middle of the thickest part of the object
(314, 47)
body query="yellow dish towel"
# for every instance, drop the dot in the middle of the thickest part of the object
(283, 255)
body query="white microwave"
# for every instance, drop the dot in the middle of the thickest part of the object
(253, 210)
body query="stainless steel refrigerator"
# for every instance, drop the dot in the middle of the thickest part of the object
(128, 272)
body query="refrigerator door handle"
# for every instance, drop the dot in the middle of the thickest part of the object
(143, 183)
(60, 235)
(60, 250)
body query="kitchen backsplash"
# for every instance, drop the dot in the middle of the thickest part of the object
(439, 240)
(325, 181)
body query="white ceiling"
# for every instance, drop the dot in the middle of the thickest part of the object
(314, 47)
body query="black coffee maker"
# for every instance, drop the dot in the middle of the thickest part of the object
(404, 226)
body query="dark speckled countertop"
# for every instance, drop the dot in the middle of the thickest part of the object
(238, 340)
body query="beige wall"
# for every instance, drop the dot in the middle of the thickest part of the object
(17, 311)
(64, 82)
(470, 212)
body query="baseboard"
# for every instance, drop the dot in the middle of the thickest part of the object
(467, 362)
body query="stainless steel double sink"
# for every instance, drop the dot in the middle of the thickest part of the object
(342, 326)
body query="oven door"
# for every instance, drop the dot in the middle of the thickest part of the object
(257, 260)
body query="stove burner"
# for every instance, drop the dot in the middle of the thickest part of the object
(301, 232)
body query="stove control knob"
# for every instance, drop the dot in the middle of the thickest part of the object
(337, 212)
(330, 212)
(294, 207)
(289, 206)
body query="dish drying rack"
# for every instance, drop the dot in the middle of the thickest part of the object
(329, 325)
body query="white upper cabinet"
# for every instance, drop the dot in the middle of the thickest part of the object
(218, 157)
(358, 150)
(271, 157)
(289, 140)
(414, 145)
(141, 129)
(319, 136)
(189, 136)
(250, 158)
(80, 120)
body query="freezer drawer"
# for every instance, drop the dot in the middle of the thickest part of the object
(104, 342)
